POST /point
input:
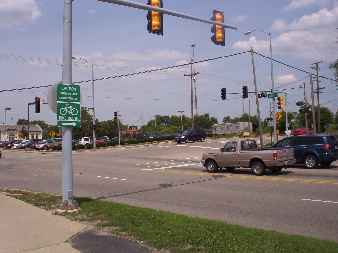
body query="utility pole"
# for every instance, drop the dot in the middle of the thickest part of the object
(250, 127)
(314, 125)
(316, 68)
(181, 112)
(192, 76)
(257, 99)
(67, 197)
(93, 104)
(118, 128)
(273, 91)
(305, 106)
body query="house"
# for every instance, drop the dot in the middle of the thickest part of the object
(231, 128)
(19, 132)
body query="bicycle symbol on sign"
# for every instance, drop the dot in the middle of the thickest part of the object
(69, 110)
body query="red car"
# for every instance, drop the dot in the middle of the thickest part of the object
(301, 132)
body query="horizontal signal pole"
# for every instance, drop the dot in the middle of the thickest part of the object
(165, 11)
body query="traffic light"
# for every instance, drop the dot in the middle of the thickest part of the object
(224, 93)
(281, 103)
(37, 105)
(218, 31)
(115, 115)
(155, 18)
(245, 92)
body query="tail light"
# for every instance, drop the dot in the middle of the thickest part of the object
(274, 155)
(327, 147)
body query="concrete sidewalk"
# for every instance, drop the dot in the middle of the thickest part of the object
(25, 228)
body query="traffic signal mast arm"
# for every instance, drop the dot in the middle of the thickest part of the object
(166, 11)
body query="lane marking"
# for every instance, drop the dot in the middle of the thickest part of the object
(115, 178)
(106, 177)
(171, 167)
(123, 179)
(322, 201)
(98, 176)
(204, 147)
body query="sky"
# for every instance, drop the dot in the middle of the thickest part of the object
(115, 39)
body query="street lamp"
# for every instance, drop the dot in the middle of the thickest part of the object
(181, 112)
(272, 78)
(93, 96)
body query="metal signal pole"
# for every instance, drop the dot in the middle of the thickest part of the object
(67, 196)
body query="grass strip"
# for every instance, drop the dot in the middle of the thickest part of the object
(180, 233)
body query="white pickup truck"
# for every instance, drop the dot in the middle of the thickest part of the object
(245, 153)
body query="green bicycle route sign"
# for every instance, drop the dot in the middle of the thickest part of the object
(68, 105)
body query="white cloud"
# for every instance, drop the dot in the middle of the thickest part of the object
(258, 45)
(279, 25)
(322, 18)
(14, 12)
(296, 4)
(310, 37)
(286, 79)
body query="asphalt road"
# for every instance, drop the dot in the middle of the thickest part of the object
(169, 177)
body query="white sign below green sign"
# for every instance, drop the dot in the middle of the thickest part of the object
(68, 105)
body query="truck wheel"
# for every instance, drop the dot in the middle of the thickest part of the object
(310, 161)
(257, 168)
(211, 166)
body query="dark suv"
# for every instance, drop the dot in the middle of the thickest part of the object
(312, 150)
(191, 135)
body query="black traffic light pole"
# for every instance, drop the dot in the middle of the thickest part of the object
(37, 110)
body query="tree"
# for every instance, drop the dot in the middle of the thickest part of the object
(21, 122)
(205, 121)
(326, 118)
(86, 125)
(334, 66)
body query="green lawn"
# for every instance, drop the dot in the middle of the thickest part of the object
(180, 233)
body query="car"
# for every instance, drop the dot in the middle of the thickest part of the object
(102, 141)
(301, 132)
(245, 153)
(191, 135)
(17, 144)
(85, 141)
(313, 150)
(3, 144)
(42, 145)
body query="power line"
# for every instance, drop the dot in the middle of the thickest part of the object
(83, 82)
(293, 67)
(147, 71)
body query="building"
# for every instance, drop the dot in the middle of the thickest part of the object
(232, 128)
(19, 132)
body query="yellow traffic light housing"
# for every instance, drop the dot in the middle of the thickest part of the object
(218, 31)
(155, 18)
(281, 103)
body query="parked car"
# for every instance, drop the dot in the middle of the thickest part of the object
(17, 145)
(85, 141)
(191, 135)
(312, 151)
(3, 144)
(245, 153)
(102, 141)
(301, 132)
